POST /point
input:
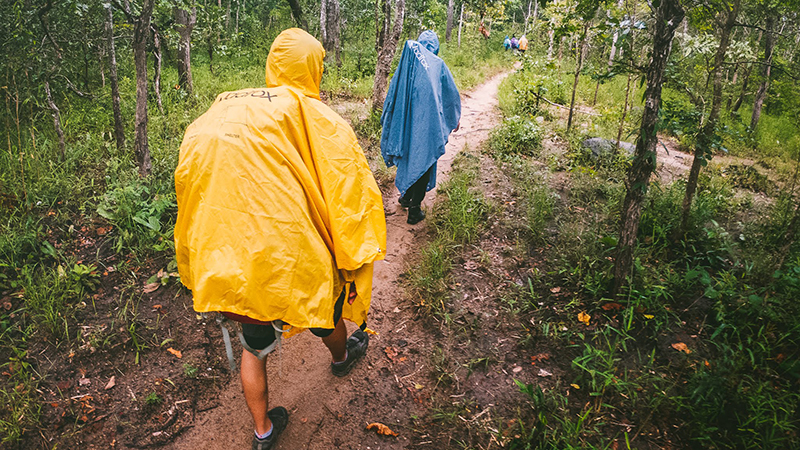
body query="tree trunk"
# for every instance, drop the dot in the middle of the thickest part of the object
(668, 16)
(460, 24)
(228, 17)
(703, 151)
(578, 66)
(535, 15)
(761, 95)
(527, 18)
(157, 69)
(297, 14)
(140, 33)
(552, 34)
(119, 127)
(386, 53)
(185, 22)
(745, 80)
(56, 120)
(449, 29)
(330, 28)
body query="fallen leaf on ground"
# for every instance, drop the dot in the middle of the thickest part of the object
(157, 307)
(612, 306)
(539, 357)
(575, 386)
(418, 387)
(391, 353)
(648, 316)
(583, 317)
(151, 287)
(517, 369)
(381, 429)
(681, 347)
(7, 305)
(84, 381)
(555, 290)
(544, 373)
(112, 382)
(177, 353)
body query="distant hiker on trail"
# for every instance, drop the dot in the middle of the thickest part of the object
(514, 42)
(506, 43)
(523, 44)
(422, 107)
(279, 220)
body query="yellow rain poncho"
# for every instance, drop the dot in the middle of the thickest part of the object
(277, 207)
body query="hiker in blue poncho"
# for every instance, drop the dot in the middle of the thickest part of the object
(507, 43)
(421, 108)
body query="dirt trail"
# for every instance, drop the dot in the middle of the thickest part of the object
(327, 412)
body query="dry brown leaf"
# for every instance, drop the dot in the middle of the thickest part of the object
(681, 347)
(612, 306)
(555, 290)
(112, 382)
(381, 429)
(391, 353)
(539, 357)
(177, 353)
(151, 287)
(583, 317)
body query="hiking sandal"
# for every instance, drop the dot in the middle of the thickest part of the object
(279, 417)
(356, 348)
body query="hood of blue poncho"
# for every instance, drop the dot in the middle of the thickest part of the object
(422, 107)
(429, 39)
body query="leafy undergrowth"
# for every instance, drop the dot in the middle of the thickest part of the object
(701, 351)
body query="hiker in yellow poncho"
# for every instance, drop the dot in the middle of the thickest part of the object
(279, 218)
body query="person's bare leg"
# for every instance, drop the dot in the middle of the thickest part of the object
(254, 385)
(337, 342)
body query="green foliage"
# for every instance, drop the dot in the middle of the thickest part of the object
(516, 135)
(142, 218)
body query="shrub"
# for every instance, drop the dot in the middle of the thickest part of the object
(516, 135)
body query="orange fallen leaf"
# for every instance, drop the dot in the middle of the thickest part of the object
(157, 307)
(381, 429)
(177, 353)
(583, 317)
(391, 353)
(539, 357)
(612, 306)
(681, 347)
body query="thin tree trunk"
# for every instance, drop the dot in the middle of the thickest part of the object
(761, 95)
(185, 22)
(703, 151)
(550, 33)
(535, 15)
(236, 27)
(624, 109)
(228, 17)
(157, 69)
(578, 67)
(668, 16)
(745, 80)
(449, 29)
(297, 14)
(101, 60)
(330, 29)
(460, 23)
(528, 17)
(386, 53)
(140, 34)
(56, 120)
(119, 127)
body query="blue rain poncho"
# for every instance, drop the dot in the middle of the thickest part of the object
(507, 43)
(421, 108)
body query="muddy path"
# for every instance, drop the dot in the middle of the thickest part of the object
(389, 386)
